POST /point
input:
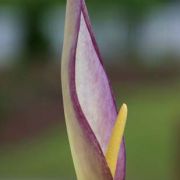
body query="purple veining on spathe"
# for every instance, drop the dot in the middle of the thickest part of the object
(121, 170)
(123, 149)
(77, 107)
(87, 20)
(121, 165)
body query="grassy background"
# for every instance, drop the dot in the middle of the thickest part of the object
(150, 135)
(33, 138)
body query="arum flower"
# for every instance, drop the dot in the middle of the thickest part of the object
(95, 129)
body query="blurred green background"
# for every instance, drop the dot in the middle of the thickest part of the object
(140, 43)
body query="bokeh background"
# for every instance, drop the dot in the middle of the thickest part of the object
(140, 43)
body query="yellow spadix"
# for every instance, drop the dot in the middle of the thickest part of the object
(116, 139)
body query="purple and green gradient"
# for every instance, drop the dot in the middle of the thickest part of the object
(90, 109)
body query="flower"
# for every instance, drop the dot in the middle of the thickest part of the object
(95, 130)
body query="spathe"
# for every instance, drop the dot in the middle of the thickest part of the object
(89, 106)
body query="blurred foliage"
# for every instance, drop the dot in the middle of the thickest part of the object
(46, 157)
(152, 106)
(37, 45)
(131, 5)
(2, 106)
(149, 139)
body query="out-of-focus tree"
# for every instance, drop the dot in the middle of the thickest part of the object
(36, 44)
(133, 10)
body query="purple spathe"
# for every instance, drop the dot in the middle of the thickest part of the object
(90, 108)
